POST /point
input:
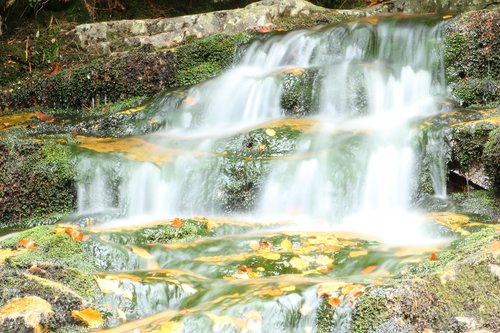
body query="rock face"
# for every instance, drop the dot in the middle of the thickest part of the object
(429, 6)
(165, 33)
(472, 55)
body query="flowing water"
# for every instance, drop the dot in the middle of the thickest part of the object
(368, 85)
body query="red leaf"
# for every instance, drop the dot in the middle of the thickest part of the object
(264, 30)
(433, 257)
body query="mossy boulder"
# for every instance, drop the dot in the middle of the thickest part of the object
(37, 182)
(472, 55)
(451, 293)
(491, 159)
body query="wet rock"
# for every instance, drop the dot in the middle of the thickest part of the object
(28, 314)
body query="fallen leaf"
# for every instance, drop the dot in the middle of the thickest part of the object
(270, 132)
(352, 289)
(58, 231)
(264, 30)
(44, 117)
(286, 244)
(262, 147)
(299, 263)
(27, 244)
(76, 235)
(35, 268)
(433, 257)
(54, 70)
(354, 254)
(265, 246)
(90, 317)
(334, 302)
(177, 223)
(293, 71)
(447, 17)
(369, 269)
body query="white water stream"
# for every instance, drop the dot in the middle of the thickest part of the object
(372, 81)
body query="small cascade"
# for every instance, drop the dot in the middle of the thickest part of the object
(371, 80)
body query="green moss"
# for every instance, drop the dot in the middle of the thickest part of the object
(204, 58)
(371, 311)
(491, 160)
(37, 181)
(324, 316)
(471, 52)
(467, 145)
(298, 90)
(481, 203)
(162, 233)
(57, 249)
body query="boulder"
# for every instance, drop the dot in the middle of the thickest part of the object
(27, 314)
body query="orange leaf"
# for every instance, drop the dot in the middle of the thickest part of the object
(369, 269)
(177, 223)
(334, 302)
(44, 117)
(447, 17)
(35, 268)
(90, 317)
(433, 257)
(76, 235)
(264, 30)
(54, 70)
(27, 243)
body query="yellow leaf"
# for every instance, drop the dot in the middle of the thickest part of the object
(327, 289)
(286, 244)
(170, 327)
(140, 252)
(299, 263)
(262, 147)
(352, 289)
(354, 254)
(288, 288)
(58, 231)
(447, 17)
(90, 317)
(271, 256)
(273, 292)
(270, 132)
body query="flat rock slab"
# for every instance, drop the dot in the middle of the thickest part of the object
(169, 32)
(25, 314)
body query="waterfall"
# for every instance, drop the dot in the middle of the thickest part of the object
(372, 80)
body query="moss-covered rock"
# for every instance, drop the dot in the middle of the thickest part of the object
(491, 159)
(37, 182)
(451, 293)
(245, 164)
(205, 58)
(472, 55)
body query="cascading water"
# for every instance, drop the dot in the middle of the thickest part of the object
(370, 82)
